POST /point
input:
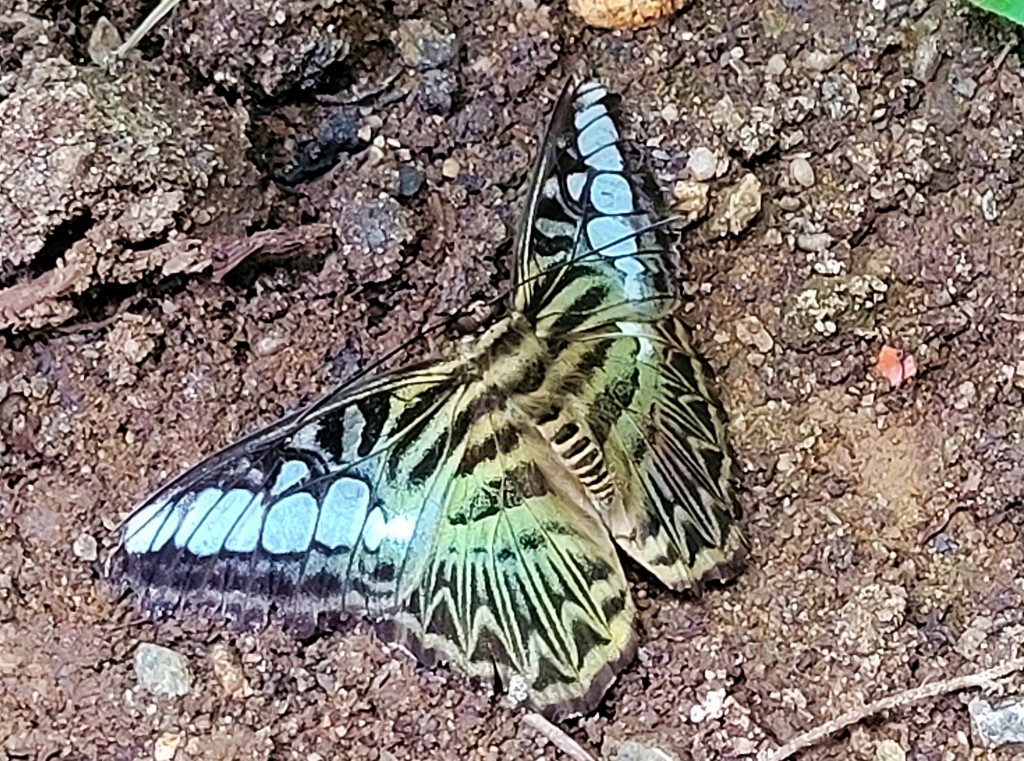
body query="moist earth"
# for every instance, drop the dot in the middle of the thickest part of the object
(272, 194)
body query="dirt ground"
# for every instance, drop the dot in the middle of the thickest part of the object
(273, 193)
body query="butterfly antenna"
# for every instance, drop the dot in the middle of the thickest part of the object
(154, 18)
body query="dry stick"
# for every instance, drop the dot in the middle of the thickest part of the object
(899, 700)
(561, 740)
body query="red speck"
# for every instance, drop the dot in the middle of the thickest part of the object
(895, 365)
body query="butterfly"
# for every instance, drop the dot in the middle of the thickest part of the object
(472, 507)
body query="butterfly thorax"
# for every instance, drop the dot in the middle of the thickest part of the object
(507, 358)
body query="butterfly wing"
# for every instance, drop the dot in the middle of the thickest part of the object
(592, 276)
(410, 502)
(588, 252)
(665, 445)
(333, 509)
(524, 583)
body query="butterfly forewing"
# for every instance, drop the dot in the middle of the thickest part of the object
(589, 251)
(326, 511)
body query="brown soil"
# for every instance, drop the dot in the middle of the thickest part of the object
(147, 317)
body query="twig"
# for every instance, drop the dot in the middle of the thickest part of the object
(899, 700)
(560, 739)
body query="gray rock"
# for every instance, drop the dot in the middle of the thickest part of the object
(162, 671)
(740, 204)
(434, 95)
(814, 241)
(85, 548)
(423, 47)
(802, 173)
(634, 751)
(410, 180)
(998, 727)
(702, 164)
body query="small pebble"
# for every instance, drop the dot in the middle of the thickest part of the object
(702, 164)
(161, 670)
(997, 727)
(410, 180)
(104, 40)
(268, 346)
(631, 750)
(966, 87)
(802, 173)
(84, 548)
(750, 331)
(776, 65)
(228, 671)
(434, 94)
(788, 203)
(819, 61)
(967, 395)
(988, 206)
(166, 746)
(814, 241)
(623, 14)
(691, 198)
(926, 59)
(890, 750)
(450, 168)
(741, 204)
(424, 47)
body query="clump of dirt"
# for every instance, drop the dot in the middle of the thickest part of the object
(270, 195)
(96, 168)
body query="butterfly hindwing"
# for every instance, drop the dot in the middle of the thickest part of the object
(664, 438)
(524, 583)
(408, 503)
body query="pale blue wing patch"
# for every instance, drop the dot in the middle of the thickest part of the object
(205, 528)
(598, 131)
(613, 237)
(612, 194)
(245, 535)
(576, 183)
(343, 513)
(291, 473)
(606, 159)
(150, 527)
(290, 524)
(378, 530)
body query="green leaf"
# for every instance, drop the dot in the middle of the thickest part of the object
(1011, 9)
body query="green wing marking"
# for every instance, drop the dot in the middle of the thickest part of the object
(523, 582)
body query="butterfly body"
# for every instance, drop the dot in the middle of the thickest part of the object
(472, 507)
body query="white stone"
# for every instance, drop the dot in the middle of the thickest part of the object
(702, 164)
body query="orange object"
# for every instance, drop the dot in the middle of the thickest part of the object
(896, 365)
(624, 14)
